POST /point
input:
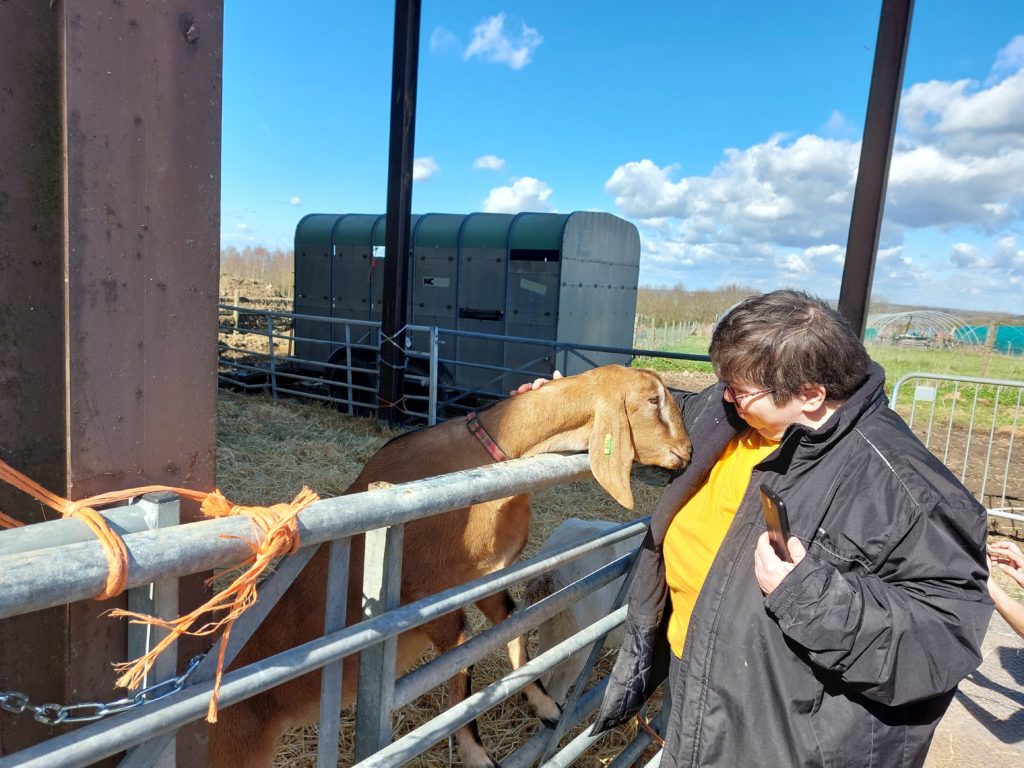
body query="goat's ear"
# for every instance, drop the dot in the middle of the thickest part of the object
(611, 450)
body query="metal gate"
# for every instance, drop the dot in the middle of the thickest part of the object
(35, 573)
(975, 426)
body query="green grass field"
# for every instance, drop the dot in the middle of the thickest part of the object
(897, 361)
(951, 399)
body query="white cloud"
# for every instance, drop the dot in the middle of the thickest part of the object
(643, 189)
(295, 200)
(489, 163)
(1010, 58)
(964, 255)
(931, 187)
(525, 194)
(887, 254)
(243, 227)
(423, 168)
(491, 42)
(442, 40)
(793, 263)
(839, 125)
(963, 118)
(795, 195)
(1008, 257)
(780, 210)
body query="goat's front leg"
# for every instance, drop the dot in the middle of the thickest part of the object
(446, 633)
(497, 608)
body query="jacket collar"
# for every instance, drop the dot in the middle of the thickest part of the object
(869, 397)
(712, 423)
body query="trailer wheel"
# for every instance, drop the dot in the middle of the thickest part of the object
(362, 393)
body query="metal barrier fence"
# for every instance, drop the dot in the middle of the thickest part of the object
(256, 347)
(63, 563)
(973, 425)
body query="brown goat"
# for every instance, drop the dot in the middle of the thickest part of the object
(618, 414)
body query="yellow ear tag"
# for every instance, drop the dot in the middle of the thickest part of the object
(608, 444)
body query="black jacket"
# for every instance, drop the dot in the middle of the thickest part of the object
(853, 659)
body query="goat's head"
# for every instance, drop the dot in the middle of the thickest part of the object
(635, 418)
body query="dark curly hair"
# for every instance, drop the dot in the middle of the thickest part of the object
(785, 339)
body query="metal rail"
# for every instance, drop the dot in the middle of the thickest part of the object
(40, 579)
(150, 729)
(985, 415)
(344, 382)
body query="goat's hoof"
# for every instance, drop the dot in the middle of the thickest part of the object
(477, 756)
(548, 722)
(550, 719)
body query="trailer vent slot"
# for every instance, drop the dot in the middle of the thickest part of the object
(534, 254)
(468, 313)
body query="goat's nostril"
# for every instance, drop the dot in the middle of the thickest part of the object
(683, 457)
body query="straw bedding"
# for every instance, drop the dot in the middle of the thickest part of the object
(267, 450)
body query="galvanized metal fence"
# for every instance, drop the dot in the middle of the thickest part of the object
(256, 354)
(975, 426)
(59, 562)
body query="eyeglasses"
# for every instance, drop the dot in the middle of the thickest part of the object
(739, 397)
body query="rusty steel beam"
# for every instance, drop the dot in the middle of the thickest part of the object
(109, 251)
(31, 321)
(405, 65)
(875, 155)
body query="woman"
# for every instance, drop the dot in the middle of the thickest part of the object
(849, 654)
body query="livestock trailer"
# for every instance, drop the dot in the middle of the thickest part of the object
(545, 276)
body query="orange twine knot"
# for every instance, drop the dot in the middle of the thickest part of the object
(277, 534)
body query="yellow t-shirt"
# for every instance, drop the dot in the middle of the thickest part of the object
(696, 532)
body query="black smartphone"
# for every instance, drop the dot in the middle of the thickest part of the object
(777, 520)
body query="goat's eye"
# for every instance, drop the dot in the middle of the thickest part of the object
(653, 400)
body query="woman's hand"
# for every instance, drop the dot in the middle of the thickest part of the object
(535, 384)
(769, 568)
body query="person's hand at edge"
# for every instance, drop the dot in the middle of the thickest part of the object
(1011, 610)
(535, 384)
(1008, 556)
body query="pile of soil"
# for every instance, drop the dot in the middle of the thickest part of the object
(246, 292)
(246, 333)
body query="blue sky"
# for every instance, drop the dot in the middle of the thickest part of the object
(729, 132)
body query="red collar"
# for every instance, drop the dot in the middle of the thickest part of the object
(477, 430)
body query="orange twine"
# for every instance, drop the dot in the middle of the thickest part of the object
(278, 535)
(83, 509)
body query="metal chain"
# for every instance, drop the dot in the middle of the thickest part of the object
(55, 714)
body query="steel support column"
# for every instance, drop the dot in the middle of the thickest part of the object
(875, 154)
(405, 65)
(109, 250)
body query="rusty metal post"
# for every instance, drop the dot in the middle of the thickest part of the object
(875, 154)
(405, 65)
(109, 249)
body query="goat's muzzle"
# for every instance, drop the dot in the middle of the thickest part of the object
(678, 457)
